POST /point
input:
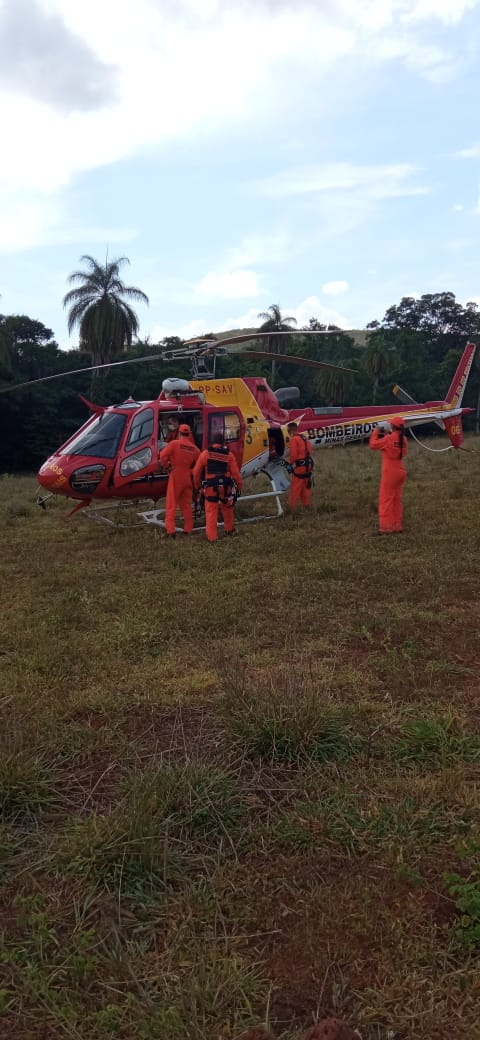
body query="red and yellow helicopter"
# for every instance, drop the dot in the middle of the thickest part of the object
(113, 457)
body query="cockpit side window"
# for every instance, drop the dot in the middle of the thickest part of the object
(225, 424)
(232, 427)
(141, 429)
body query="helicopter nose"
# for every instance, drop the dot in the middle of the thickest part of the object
(51, 476)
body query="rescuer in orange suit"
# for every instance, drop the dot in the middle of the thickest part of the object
(300, 466)
(180, 457)
(393, 447)
(216, 471)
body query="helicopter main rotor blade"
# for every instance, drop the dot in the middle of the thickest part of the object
(244, 337)
(290, 359)
(78, 371)
(203, 347)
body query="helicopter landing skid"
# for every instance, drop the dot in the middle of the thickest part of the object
(117, 514)
(157, 516)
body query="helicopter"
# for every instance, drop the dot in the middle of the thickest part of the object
(114, 456)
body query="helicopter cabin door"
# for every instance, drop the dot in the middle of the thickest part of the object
(138, 453)
(229, 423)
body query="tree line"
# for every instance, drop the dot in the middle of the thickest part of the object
(417, 343)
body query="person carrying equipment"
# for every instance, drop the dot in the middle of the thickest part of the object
(393, 447)
(216, 472)
(180, 457)
(301, 468)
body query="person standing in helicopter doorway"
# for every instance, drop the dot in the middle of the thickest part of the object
(217, 474)
(179, 456)
(172, 429)
(301, 468)
(393, 446)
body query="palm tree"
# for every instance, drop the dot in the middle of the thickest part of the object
(378, 362)
(107, 323)
(333, 386)
(274, 322)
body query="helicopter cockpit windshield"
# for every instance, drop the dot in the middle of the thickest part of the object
(101, 439)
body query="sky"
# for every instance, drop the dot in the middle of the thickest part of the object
(323, 155)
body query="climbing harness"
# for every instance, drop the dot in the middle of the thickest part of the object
(199, 504)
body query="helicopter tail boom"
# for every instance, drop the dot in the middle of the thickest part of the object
(454, 397)
(457, 386)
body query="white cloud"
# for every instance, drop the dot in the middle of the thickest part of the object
(170, 62)
(248, 320)
(379, 182)
(450, 12)
(433, 62)
(334, 288)
(94, 82)
(468, 153)
(342, 195)
(28, 220)
(457, 207)
(458, 247)
(228, 285)
(310, 307)
(270, 247)
(41, 57)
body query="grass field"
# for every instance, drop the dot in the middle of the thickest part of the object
(239, 783)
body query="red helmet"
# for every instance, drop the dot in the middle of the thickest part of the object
(398, 422)
(184, 430)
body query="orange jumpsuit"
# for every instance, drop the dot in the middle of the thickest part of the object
(180, 455)
(173, 435)
(299, 488)
(394, 474)
(216, 463)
